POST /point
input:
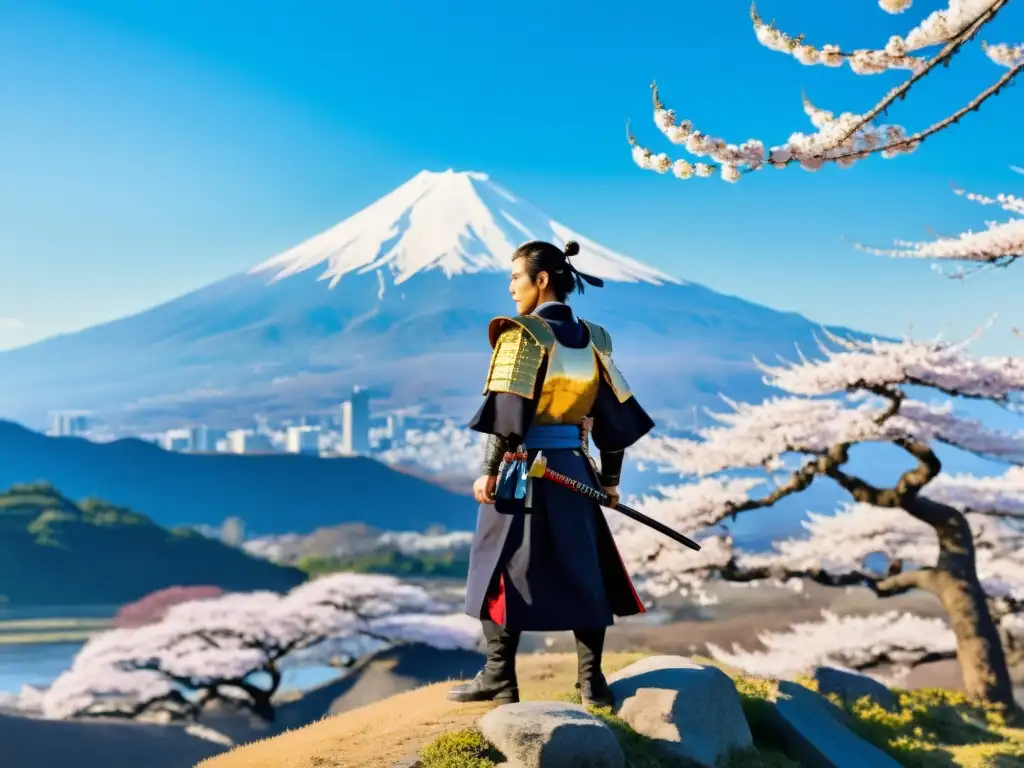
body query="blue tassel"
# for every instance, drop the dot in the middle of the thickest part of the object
(512, 483)
(521, 479)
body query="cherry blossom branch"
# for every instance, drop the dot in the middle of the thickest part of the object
(845, 139)
(896, 582)
(972, 106)
(879, 366)
(799, 481)
(889, 639)
(941, 58)
(999, 245)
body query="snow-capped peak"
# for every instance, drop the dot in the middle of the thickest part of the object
(458, 222)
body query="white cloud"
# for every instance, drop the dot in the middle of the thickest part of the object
(11, 324)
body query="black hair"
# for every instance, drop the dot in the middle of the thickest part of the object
(545, 257)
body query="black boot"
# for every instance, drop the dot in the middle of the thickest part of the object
(497, 680)
(591, 683)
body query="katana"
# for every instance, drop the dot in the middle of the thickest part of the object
(539, 469)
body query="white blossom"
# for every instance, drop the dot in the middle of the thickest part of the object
(759, 435)
(1010, 203)
(895, 6)
(999, 244)
(843, 139)
(941, 365)
(928, 423)
(999, 495)
(852, 642)
(1005, 55)
(863, 62)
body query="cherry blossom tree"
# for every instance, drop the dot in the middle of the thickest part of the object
(1000, 244)
(231, 648)
(848, 137)
(955, 537)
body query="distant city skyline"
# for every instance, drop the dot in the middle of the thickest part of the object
(135, 184)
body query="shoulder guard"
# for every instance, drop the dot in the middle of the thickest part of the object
(520, 344)
(535, 326)
(601, 340)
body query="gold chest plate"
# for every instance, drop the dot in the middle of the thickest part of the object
(570, 385)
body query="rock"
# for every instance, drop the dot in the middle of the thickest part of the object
(549, 734)
(692, 711)
(851, 686)
(412, 760)
(805, 724)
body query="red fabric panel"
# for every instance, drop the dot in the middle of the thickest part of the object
(496, 602)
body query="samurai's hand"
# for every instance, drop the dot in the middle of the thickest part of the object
(613, 494)
(484, 488)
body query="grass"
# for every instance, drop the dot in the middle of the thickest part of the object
(936, 728)
(931, 729)
(465, 748)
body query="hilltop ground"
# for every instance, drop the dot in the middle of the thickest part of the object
(380, 734)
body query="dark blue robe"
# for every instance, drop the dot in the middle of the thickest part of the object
(552, 566)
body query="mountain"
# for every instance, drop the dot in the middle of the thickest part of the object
(56, 552)
(416, 276)
(272, 493)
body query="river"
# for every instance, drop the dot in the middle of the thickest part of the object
(39, 664)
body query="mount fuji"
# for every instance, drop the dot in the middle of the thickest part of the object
(397, 297)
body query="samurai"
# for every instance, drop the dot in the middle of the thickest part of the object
(543, 557)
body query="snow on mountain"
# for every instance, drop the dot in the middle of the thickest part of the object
(456, 222)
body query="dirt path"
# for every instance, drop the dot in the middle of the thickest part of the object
(379, 734)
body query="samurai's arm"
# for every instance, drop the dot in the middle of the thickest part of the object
(494, 454)
(618, 424)
(611, 468)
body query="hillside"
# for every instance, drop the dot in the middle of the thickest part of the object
(54, 551)
(273, 493)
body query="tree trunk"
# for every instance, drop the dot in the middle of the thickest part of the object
(261, 698)
(978, 646)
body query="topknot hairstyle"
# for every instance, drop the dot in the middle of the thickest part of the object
(565, 279)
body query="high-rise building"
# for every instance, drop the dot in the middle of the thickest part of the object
(302, 440)
(355, 422)
(244, 441)
(68, 423)
(395, 427)
(177, 440)
(215, 439)
(200, 438)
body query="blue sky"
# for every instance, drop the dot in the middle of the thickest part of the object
(148, 148)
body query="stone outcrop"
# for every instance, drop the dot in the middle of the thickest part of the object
(547, 734)
(692, 711)
(806, 725)
(851, 686)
